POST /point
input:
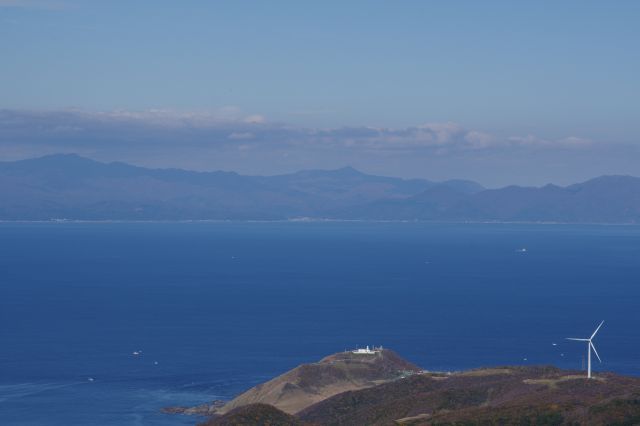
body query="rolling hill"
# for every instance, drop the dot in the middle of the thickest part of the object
(308, 384)
(383, 389)
(507, 396)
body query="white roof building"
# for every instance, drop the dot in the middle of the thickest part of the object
(367, 350)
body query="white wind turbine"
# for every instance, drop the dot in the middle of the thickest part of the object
(589, 347)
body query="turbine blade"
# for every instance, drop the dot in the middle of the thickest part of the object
(579, 340)
(595, 352)
(594, 333)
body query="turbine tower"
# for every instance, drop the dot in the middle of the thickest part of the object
(589, 347)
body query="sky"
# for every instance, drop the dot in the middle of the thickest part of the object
(500, 92)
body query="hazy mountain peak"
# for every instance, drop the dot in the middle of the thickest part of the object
(464, 186)
(611, 179)
(71, 186)
(348, 171)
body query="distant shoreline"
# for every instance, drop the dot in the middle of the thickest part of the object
(319, 220)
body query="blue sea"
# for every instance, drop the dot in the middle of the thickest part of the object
(215, 308)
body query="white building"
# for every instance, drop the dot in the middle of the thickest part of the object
(367, 350)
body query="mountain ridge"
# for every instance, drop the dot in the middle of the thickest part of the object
(68, 186)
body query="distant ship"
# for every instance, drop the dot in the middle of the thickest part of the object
(521, 250)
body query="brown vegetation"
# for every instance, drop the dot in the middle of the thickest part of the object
(255, 415)
(518, 396)
(308, 384)
(384, 389)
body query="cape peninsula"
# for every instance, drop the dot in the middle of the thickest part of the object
(378, 387)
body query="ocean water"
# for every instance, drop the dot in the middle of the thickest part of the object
(216, 308)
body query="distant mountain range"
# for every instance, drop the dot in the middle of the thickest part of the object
(68, 186)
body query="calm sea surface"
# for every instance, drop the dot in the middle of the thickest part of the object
(215, 308)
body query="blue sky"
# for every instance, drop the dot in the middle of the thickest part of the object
(546, 80)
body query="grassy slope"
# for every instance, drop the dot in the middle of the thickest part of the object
(308, 384)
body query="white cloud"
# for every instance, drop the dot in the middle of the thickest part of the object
(255, 119)
(480, 140)
(219, 129)
(534, 141)
(442, 138)
(168, 117)
(241, 135)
